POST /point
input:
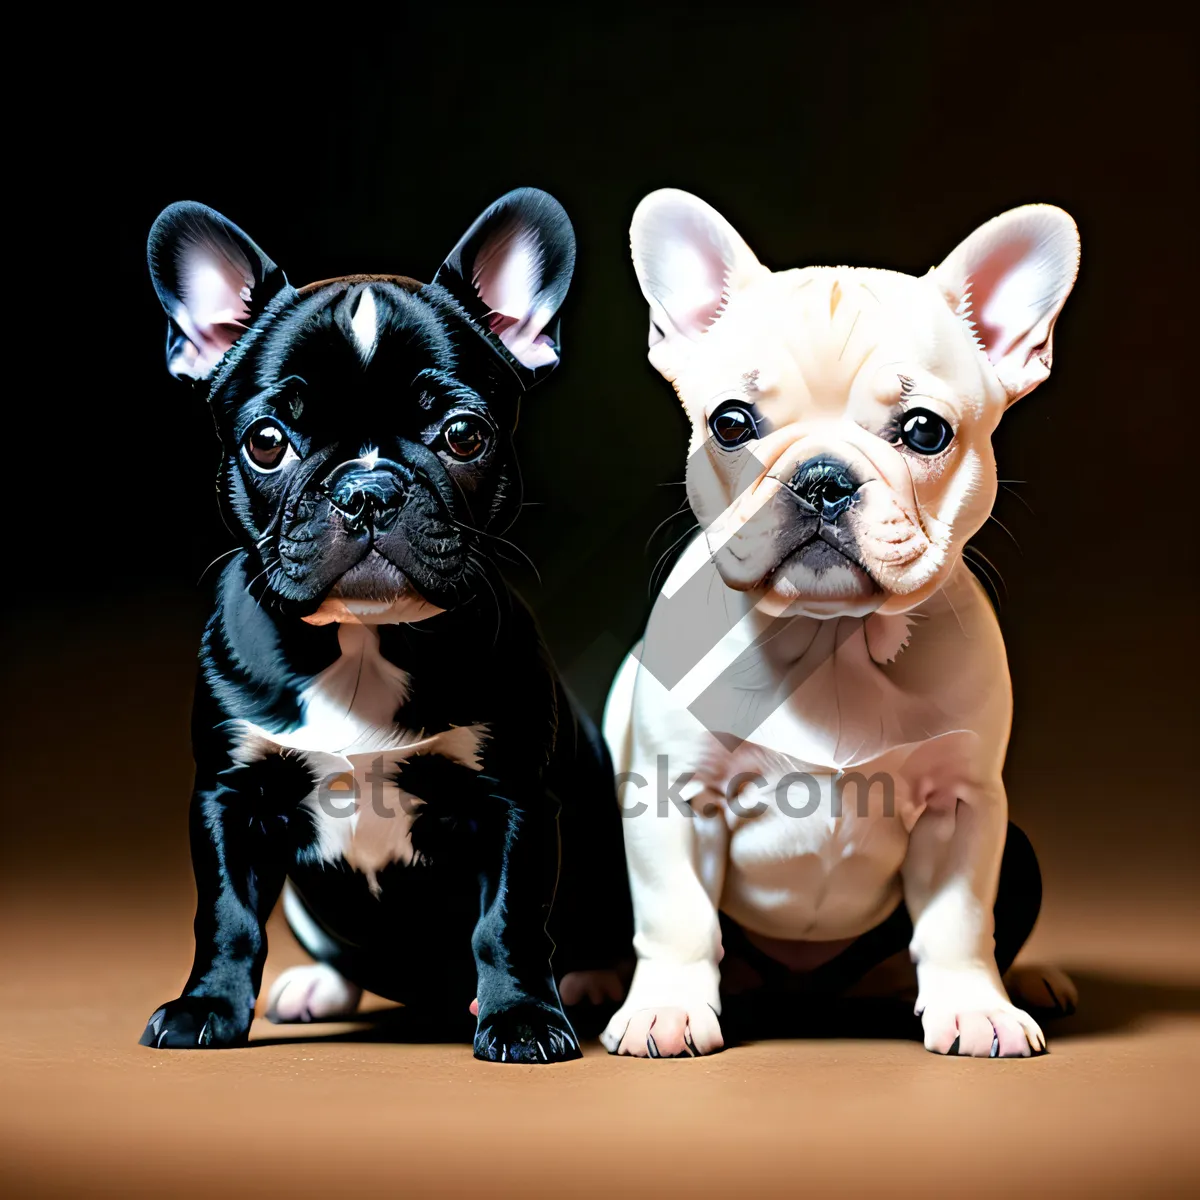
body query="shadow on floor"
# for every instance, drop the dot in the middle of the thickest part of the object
(1117, 1003)
(1108, 1004)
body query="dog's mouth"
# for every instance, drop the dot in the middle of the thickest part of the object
(373, 579)
(820, 554)
(825, 566)
(373, 592)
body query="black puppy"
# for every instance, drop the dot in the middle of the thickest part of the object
(376, 718)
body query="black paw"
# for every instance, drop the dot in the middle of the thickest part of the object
(526, 1033)
(195, 1023)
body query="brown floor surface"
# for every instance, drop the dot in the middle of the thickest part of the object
(87, 1111)
(96, 900)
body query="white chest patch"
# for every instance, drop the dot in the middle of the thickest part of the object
(350, 742)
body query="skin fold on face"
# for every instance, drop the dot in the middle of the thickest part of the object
(840, 453)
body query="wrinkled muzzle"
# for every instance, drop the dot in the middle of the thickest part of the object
(371, 529)
(817, 518)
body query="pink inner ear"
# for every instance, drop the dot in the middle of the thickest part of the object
(699, 276)
(508, 278)
(508, 272)
(685, 271)
(215, 295)
(1017, 270)
(999, 298)
(499, 324)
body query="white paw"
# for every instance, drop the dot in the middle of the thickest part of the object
(671, 1012)
(316, 993)
(966, 1012)
(664, 1032)
(1044, 988)
(597, 987)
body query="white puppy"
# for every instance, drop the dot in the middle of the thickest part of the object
(812, 731)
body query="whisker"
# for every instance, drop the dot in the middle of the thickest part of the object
(495, 537)
(662, 558)
(682, 510)
(992, 580)
(1004, 484)
(257, 577)
(961, 627)
(214, 563)
(483, 533)
(1006, 530)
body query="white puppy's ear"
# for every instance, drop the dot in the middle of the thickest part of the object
(1011, 278)
(689, 261)
(212, 281)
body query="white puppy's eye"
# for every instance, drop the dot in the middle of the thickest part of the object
(733, 423)
(924, 432)
(267, 448)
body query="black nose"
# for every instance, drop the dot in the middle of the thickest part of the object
(826, 484)
(367, 499)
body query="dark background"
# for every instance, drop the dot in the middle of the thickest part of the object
(872, 136)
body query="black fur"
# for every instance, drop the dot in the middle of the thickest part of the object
(469, 916)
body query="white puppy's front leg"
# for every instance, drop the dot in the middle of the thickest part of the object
(676, 869)
(950, 875)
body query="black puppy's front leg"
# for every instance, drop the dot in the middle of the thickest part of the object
(520, 1015)
(239, 876)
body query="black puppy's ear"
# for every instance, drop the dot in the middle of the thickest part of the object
(211, 279)
(511, 271)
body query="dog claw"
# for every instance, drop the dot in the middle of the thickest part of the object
(668, 1032)
(194, 1023)
(527, 1033)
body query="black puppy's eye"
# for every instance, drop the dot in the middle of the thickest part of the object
(266, 446)
(733, 423)
(925, 432)
(465, 437)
